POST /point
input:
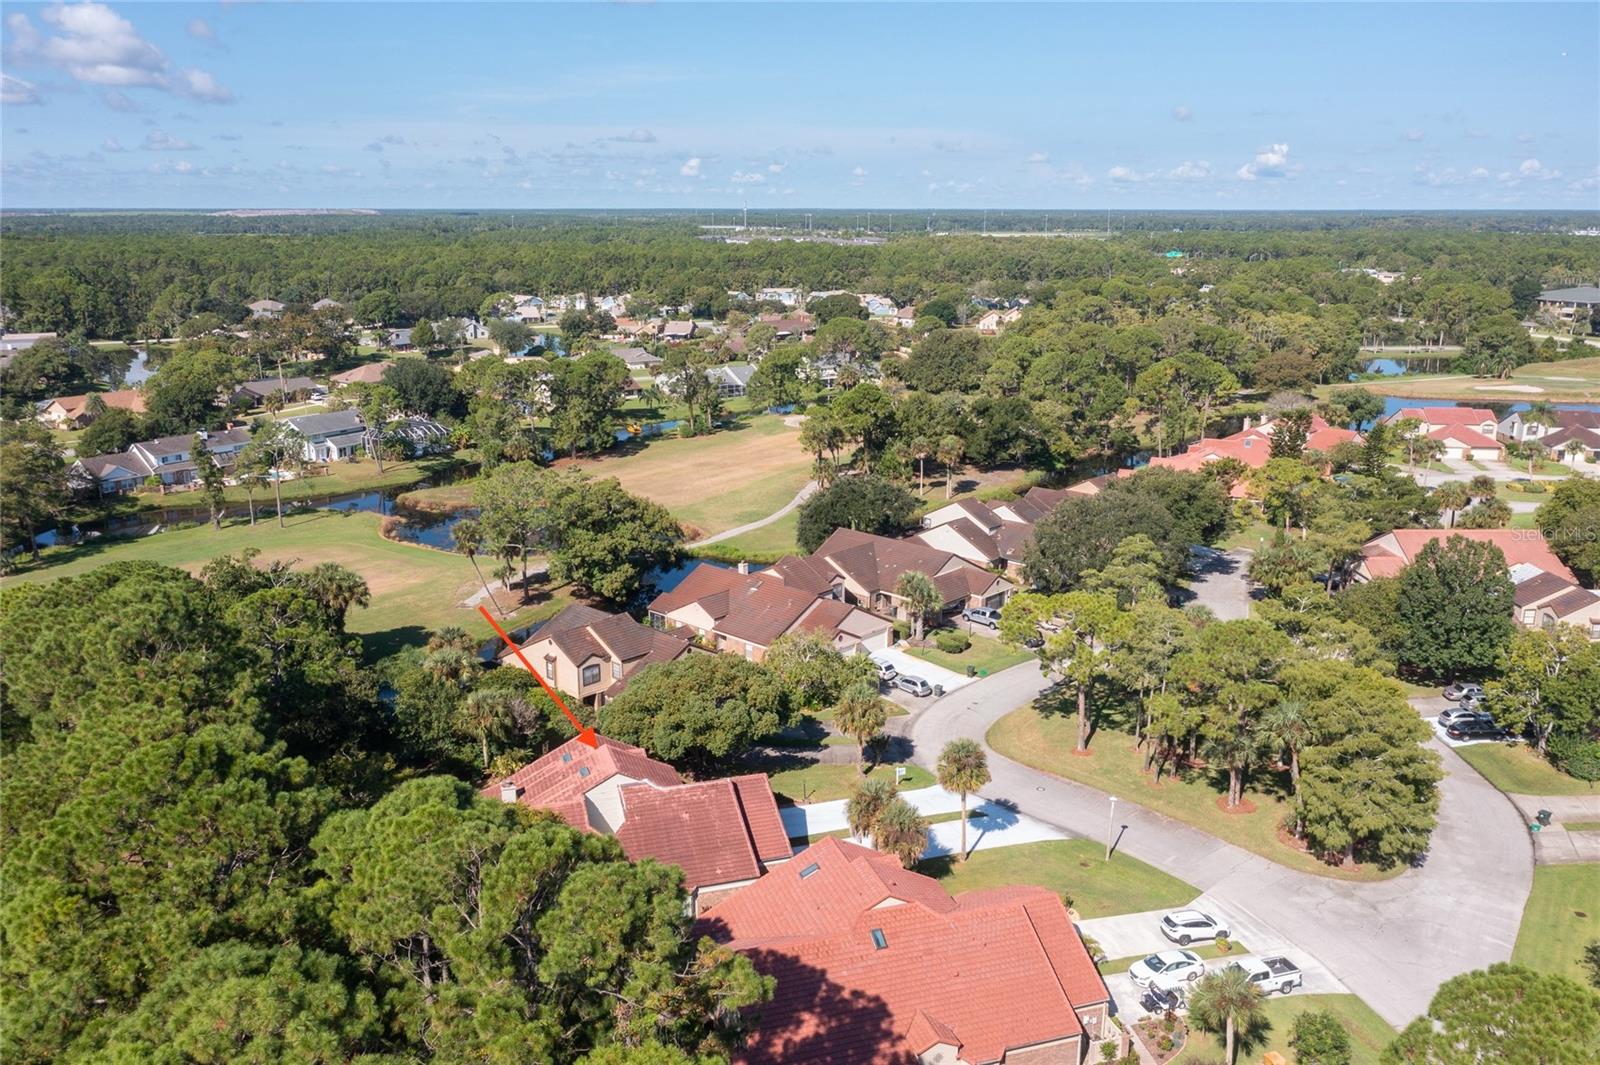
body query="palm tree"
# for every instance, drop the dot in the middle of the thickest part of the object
(490, 713)
(866, 803)
(1543, 414)
(860, 714)
(1482, 486)
(337, 588)
(449, 664)
(901, 831)
(1572, 449)
(1287, 728)
(1452, 496)
(1226, 1001)
(921, 598)
(951, 449)
(1235, 751)
(921, 448)
(468, 535)
(963, 768)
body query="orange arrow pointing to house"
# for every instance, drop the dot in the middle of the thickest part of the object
(585, 732)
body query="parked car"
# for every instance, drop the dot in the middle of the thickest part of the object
(1483, 728)
(1454, 692)
(915, 685)
(1470, 701)
(982, 615)
(1161, 997)
(1185, 926)
(886, 671)
(1170, 965)
(1457, 714)
(1271, 974)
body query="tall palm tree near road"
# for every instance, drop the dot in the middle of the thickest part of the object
(866, 803)
(921, 597)
(963, 768)
(951, 450)
(1226, 1001)
(468, 536)
(901, 831)
(861, 715)
(1452, 496)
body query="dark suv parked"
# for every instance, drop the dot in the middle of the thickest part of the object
(1477, 728)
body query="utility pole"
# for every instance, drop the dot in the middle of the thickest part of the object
(1111, 827)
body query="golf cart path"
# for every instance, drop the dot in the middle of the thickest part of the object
(805, 493)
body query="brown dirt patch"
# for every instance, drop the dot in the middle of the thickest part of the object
(677, 473)
(1245, 806)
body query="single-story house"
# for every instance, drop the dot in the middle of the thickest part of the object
(256, 392)
(675, 332)
(878, 965)
(723, 834)
(1569, 304)
(1463, 443)
(906, 316)
(169, 457)
(1480, 420)
(993, 321)
(73, 412)
(335, 435)
(1573, 443)
(789, 297)
(790, 325)
(367, 374)
(637, 358)
(422, 436)
(265, 309)
(326, 304)
(397, 339)
(1516, 428)
(1387, 555)
(731, 380)
(1251, 446)
(593, 654)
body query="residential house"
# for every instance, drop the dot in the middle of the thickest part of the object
(593, 654)
(677, 332)
(1569, 304)
(397, 339)
(1459, 442)
(870, 566)
(370, 373)
(993, 321)
(72, 412)
(1545, 600)
(1480, 420)
(724, 834)
(637, 358)
(526, 309)
(254, 393)
(1251, 446)
(1516, 428)
(790, 325)
(974, 531)
(265, 309)
(421, 436)
(1387, 555)
(472, 329)
(340, 434)
(877, 965)
(1574, 442)
(879, 306)
(906, 316)
(789, 297)
(741, 613)
(169, 457)
(615, 306)
(326, 304)
(731, 379)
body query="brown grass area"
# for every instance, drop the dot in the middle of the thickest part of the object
(679, 473)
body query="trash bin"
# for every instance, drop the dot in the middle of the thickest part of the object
(972, 671)
(1543, 818)
(938, 690)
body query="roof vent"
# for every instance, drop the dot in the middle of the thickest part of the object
(809, 870)
(879, 941)
(508, 791)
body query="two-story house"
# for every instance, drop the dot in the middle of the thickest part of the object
(593, 654)
(169, 457)
(335, 435)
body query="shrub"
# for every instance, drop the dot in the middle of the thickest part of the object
(1164, 1044)
(952, 641)
(1108, 1050)
(1576, 756)
(1319, 1039)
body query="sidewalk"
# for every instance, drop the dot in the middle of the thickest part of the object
(989, 824)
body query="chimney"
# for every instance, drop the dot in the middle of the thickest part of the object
(744, 569)
(508, 791)
(1248, 421)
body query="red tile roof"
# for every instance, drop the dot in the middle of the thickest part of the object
(1463, 435)
(1444, 415)
(746, 606)
(985, 971)
(1387, 555)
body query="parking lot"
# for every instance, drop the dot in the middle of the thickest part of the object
(1133, 935)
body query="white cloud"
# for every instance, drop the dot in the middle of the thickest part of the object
(1125, 175)
(777, 168)
(1182, 113)
(15, 91)
(1036, 158)
(635, 136)
(118, 100)
(741, 178)
(183, 166)
(1273, 162)
(1532, 170)
(691, 168)
(1524, 138)
(97, 46)
(111, 144)
(161, 141)
(1190, 170)
(1413, 135)
(859, 172)
(201, 30)
(380, 143)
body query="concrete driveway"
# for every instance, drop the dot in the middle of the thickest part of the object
(1392, 942)
(989, 824)
(949, 679)
(1221, 582)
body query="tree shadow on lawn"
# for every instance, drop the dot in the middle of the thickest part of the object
(376, 646)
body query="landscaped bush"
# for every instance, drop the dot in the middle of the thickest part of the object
(1576, 756)
(952, 641)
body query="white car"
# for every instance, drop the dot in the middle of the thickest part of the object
(1185, 926)
(1170, 966)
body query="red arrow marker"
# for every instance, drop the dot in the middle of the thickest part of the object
(585, 733)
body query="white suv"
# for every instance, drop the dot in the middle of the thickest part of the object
(1185, 926)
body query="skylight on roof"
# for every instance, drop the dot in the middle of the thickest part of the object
(566, 756)
(808, 870)
(878, 939)
(583, 770)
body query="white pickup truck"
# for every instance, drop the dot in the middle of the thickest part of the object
(1272, 974)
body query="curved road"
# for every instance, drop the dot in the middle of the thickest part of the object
(1392, 943)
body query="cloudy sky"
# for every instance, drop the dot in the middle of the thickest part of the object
(703, 105)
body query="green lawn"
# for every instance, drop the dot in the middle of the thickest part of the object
(1561, 918)
(1517, 769)
(415, 590)
(821, 782)
(766, 544)
(1114, 765)
(1369, 1033)
(342, 477)
(1581, 826)
(986, 655)
(1207, 951)
(1074, 868)
(1256, 535)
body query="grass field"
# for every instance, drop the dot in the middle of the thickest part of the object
(341, 478)
(766, 544)
(1114, 766)
(1562, 918)
(821, 782)
(415, 590)
(1369, 1033)
(986, 655)
(1571, 380)
(1075, 868)
(1517, 769)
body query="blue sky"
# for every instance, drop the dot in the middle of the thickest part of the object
(700, 105)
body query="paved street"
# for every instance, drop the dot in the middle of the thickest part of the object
(1391, 942)
(1221, 582)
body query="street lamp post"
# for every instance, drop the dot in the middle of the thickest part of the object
(1111, 826)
